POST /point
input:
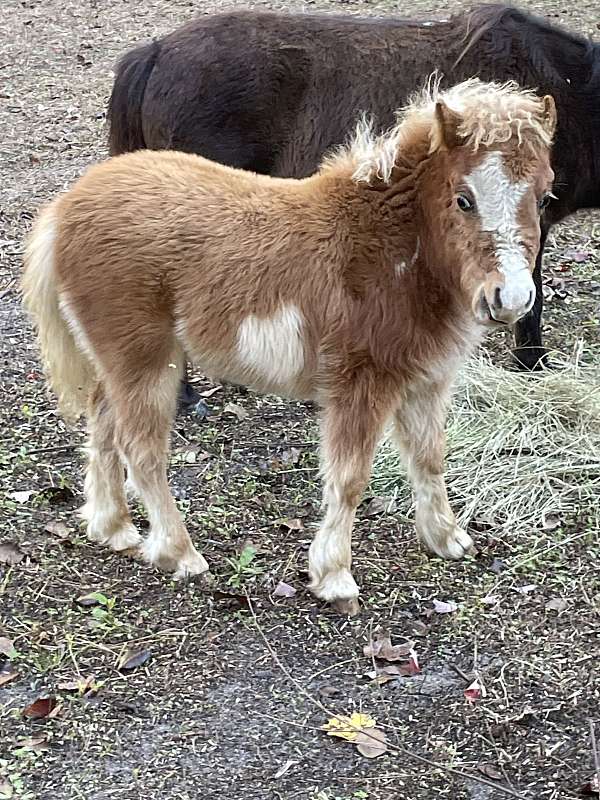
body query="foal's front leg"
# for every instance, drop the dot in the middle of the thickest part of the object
(419, 431)
(348, 439)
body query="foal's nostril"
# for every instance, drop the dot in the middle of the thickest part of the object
(497, 298)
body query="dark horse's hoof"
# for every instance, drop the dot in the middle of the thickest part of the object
(188, 396)
(531, 359)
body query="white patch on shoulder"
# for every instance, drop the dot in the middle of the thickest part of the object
(272, 348)
(498, 199)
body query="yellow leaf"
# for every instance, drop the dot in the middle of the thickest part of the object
(348, 727)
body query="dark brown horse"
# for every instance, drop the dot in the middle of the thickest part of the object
(271, 92)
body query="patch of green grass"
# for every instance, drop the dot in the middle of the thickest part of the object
(244, 567)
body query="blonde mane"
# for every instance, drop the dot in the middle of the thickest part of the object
(489, 113)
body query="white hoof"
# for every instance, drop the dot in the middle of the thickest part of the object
(452, 544)
(192, 564)
(335, 586)
(156, 553)
(125, 538)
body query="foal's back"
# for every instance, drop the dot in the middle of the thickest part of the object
(190, 250)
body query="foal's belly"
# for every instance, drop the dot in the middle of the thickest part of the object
(294, 386)
(269, 355)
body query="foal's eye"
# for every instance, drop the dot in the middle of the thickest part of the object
(465, 203)
(545, 202)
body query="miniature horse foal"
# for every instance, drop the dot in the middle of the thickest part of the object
(363, 288)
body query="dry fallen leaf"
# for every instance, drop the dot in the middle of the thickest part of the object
(92, 599)
(382, 648)
(475, 691)
(389, 672)
(380, 505)
(290, 524)
(371, 743)
(238, 411)
(578, 256)
(490, 771)
(34, 743)
(133, 659)
(530, 587)
(6, 790)
(40, 708)
(210, 392)
(7, 647)
(58, 529)
(290, 457)
(417, 628)
(557, 604)
(490, 599)
(348, 727)
(10, 554)
(591, 788)
(84, 686)
(442, 607)
(239, 601)
(23, 497)
(284, 590)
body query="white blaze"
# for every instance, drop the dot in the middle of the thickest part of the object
(498, 199)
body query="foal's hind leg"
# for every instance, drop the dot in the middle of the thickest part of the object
(106, 509)
(419, 432)
(145, 415)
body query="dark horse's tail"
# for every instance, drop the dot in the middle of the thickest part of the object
(125, 132)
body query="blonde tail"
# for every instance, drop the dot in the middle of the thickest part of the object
(69, 371)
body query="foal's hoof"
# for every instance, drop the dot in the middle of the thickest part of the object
(531, 359)
(125, 538)
(348, 608)
(338, 588)
(454, 545)
(192, 564)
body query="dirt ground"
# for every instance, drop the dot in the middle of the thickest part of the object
(230, 696)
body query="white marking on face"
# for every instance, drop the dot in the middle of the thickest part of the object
(272, 348)
(400, 268)
(498, 199)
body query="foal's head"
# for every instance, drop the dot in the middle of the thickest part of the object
(481, 154)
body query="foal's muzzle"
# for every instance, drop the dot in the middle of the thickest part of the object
(507, 302)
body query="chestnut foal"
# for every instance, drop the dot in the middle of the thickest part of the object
(363, 288)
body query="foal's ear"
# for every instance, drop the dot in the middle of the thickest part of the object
(445, 132)
(549, 114)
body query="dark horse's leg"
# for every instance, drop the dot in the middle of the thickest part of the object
(188, 396)
(529, 353)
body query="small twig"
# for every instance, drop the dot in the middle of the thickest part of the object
(56, 449)
(595, 750)
(396, 748)
(311, 678)
(460, 672)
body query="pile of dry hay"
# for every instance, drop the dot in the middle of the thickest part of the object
(521, 450)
